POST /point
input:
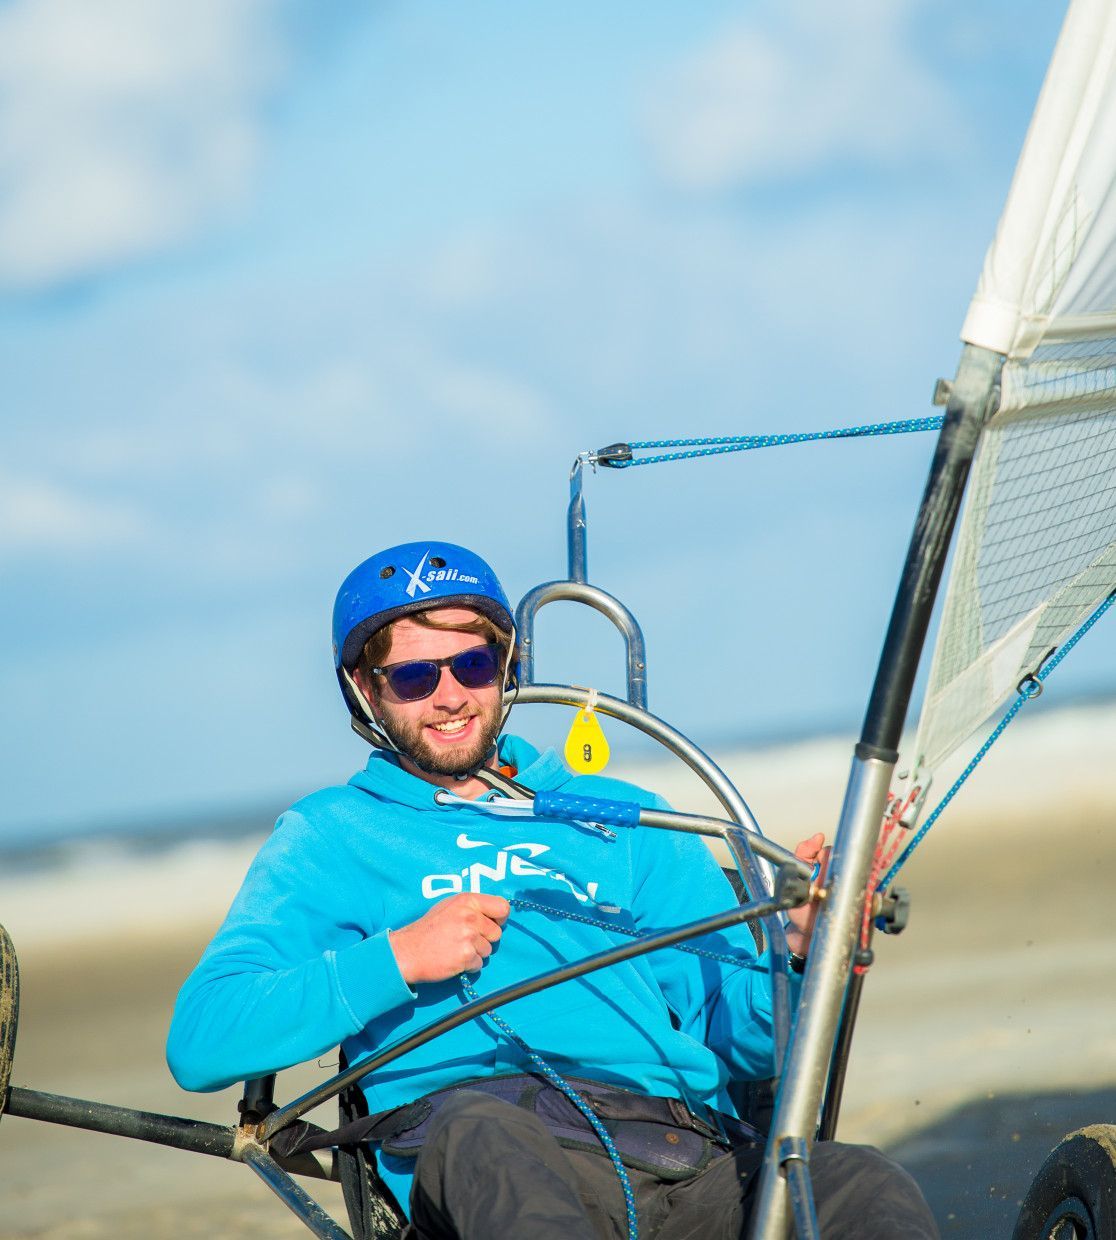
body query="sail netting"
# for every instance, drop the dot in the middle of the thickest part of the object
(1036, 548)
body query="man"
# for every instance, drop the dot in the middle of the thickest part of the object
(377, 907)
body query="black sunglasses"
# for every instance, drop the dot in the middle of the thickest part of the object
(475, 668)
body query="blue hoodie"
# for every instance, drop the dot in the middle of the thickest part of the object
(303, 963)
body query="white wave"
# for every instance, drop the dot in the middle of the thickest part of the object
(1045, 767)
(105, 890)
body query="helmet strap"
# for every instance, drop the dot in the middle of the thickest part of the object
(368, 728)
(509, 690)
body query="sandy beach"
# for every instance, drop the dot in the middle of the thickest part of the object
(987, 1029)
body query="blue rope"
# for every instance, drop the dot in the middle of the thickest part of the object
(1030, 687)
(559, 1082)
(563, 1086)
(744, 443)
(529, 905)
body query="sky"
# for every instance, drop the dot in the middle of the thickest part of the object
(284, 283)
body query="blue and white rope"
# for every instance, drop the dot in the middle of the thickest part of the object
(563, 1086)
(531, 906)
(522, 809)
(1030, 688)
(717, 446)
(558, 1081)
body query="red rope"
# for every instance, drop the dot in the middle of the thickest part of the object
(886, 848)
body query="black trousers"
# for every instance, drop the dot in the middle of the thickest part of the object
(490, 1170)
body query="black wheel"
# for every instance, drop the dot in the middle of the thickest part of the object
(1073, 1197)
(9, 1011)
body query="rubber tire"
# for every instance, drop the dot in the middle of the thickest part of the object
(1076, 1183)
(9, 1011)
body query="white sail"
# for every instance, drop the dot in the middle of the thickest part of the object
(1036, 548)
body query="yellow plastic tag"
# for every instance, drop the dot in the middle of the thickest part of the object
(586, 747)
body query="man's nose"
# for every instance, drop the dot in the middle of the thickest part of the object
(447, 692)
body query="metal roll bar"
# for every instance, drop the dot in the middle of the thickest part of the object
(599, 600)
(578, 590)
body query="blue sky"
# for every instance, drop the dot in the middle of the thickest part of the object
(282, 283)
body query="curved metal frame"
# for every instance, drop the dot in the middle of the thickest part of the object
(599, 600)
(640, 718)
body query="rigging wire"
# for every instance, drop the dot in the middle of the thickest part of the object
(1030, 687)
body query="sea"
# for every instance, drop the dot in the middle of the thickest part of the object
(149, 877)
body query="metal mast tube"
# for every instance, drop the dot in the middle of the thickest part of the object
(969, 406)
(577, 526)
(835, 936)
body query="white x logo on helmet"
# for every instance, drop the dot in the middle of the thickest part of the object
(416, 583)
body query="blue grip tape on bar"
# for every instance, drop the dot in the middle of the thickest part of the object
(586, 809)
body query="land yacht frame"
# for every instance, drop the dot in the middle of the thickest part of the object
(1039, 349)
(811, 1050)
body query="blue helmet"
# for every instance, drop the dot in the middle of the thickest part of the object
(403, 580)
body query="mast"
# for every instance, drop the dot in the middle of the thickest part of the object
(835, 935)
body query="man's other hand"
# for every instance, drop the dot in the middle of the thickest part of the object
(802, 919)
(455, 936)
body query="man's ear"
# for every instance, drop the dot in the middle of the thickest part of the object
(364, 685)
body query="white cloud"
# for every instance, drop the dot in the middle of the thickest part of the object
(40, 515)
(125, 126)
(799, 87)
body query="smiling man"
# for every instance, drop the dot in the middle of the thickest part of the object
(377, 907)
(442, 727)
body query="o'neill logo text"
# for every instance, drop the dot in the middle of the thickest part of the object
(478, 876)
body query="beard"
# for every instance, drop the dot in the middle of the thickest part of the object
(407, 736)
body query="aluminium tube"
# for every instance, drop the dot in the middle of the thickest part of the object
(835, 1086)
(295, 1198)
(577, 525)
(701, 824)
(827, 972)
(738, 842)
(671, 739)
(835, 936)
(183, 1134)
(579, 592)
